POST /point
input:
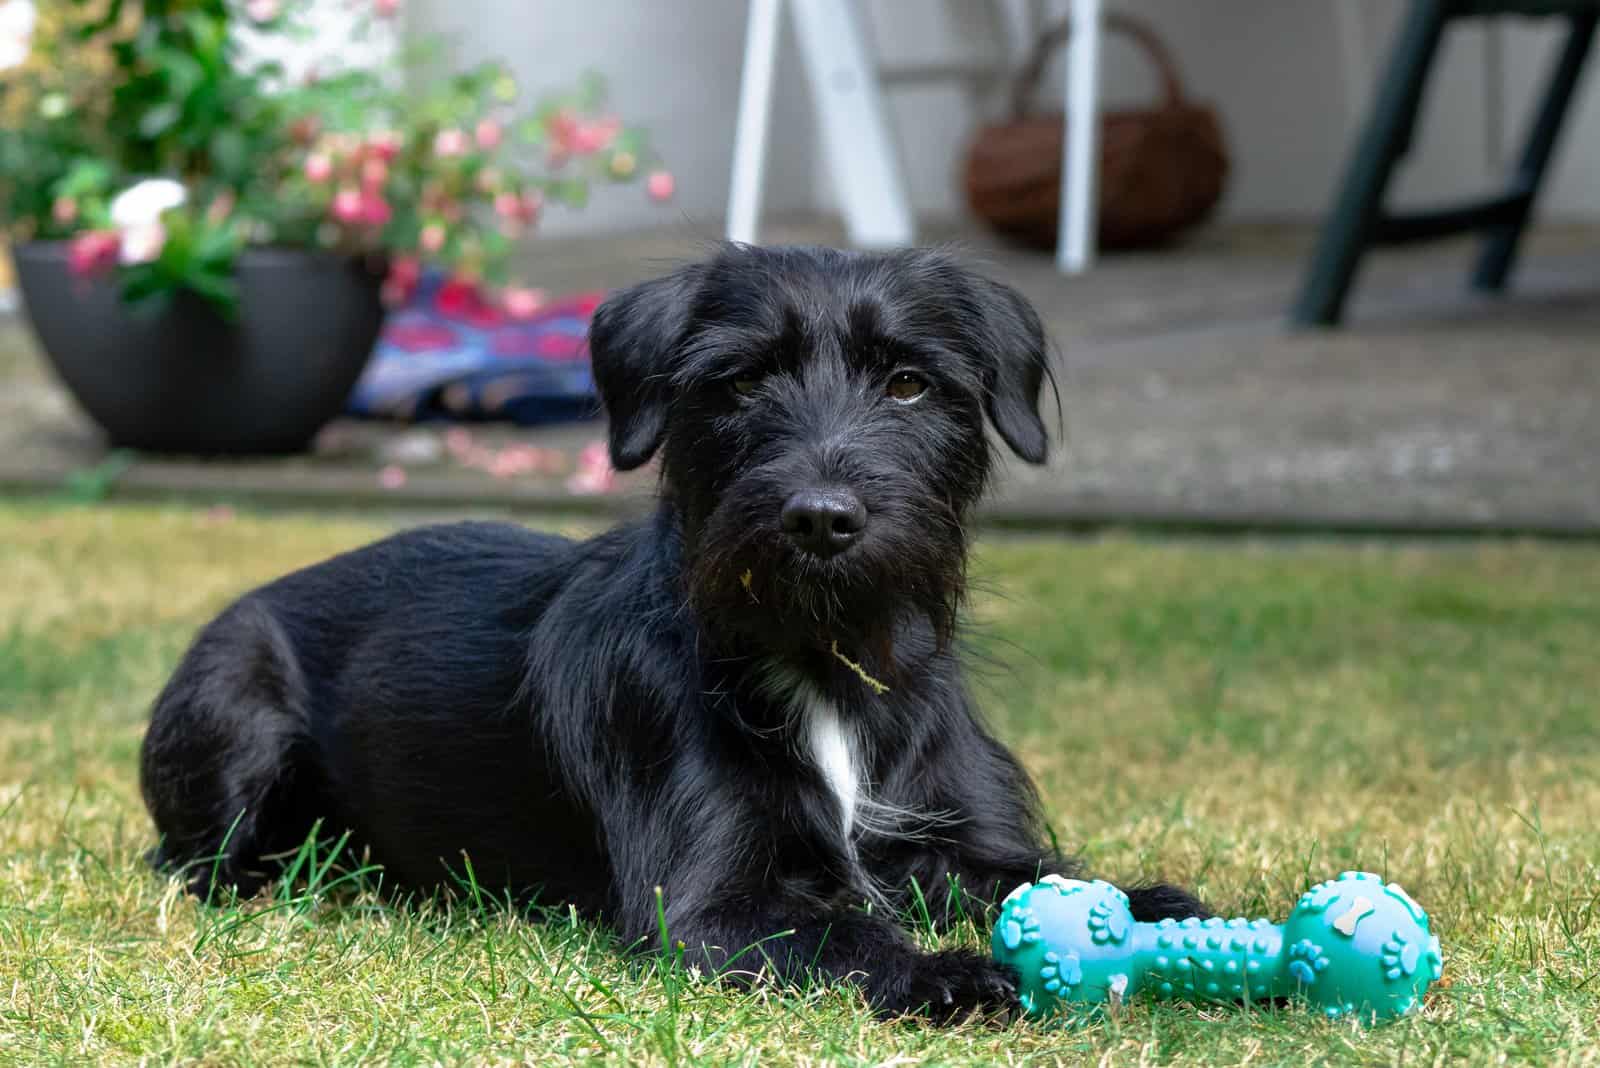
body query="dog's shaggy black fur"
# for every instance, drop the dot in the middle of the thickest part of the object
(670, 704)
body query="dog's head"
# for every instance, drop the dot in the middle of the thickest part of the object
(821, 421)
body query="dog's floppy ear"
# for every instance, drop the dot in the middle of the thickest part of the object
(632, 342)
(1019, 363)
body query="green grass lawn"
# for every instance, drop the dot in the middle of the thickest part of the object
(1245, 718)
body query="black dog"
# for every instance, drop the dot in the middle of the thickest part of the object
(751, 700)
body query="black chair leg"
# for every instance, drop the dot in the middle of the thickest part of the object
(1499, 251)
(1384, 142)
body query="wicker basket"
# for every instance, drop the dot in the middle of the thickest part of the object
(1162, 168)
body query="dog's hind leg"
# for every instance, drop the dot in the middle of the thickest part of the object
(218, 767)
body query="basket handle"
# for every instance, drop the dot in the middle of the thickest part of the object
(1055, 35)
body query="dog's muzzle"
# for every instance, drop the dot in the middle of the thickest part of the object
(824, 522)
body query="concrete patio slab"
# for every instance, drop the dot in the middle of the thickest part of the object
(1186, 401)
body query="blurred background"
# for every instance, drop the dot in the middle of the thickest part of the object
(1241, 347)
(1292, 80)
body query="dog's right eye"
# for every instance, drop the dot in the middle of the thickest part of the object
(745, 385)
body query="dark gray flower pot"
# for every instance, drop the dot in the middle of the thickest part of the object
(182, 379)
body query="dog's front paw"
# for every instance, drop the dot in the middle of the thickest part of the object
(951, 985)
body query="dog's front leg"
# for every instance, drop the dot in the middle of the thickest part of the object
(745, 938)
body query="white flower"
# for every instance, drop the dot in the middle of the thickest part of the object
(143, 205)
(142, 244)
(17, 18)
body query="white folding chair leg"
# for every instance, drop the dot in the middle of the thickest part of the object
(855, 128)
(755, 118)
(1081, 152)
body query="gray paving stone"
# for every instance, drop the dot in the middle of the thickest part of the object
(1186, 400)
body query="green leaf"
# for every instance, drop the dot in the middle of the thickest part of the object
(571, 191)
(87, 176)
(533, 131)
(231, 151)
(159, 119)
(144, 283)
(220, 290)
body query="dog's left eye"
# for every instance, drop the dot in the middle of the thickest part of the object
(745, 385)
(904, 386)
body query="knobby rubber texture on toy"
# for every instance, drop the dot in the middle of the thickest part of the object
(1352, 946)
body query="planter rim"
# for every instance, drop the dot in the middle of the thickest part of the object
(264, 255)
(180, 377)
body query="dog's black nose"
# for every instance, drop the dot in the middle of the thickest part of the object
(824, 522)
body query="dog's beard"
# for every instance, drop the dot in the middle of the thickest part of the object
(751, 586)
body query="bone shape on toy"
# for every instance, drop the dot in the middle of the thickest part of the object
(1352, 946)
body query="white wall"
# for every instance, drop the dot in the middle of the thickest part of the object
(1279, 71)
(671, 65)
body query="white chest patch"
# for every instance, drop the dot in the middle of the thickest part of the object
(832, 748)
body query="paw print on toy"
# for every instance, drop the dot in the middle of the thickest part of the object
(1400, 957)
(1060, 973)
(1306, 959)
(1018, 927)
(1108, 923)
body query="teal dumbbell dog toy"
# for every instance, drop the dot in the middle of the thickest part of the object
(1352, 946)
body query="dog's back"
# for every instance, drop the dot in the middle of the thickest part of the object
(377, 692)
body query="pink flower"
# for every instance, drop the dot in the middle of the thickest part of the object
(433, 237)
(392, 477)
(591, 137)
(660, 186)
(386, 9)
(406, 270)
(458, 441)
(508, 206)
(374, 172)
(522, 303)
(375, 210)
(385, 144)
(349, 206)
(319, 167)
(451, 143)
(490, 134)
(64, 211)
(93, 252)
(404, 274)
(263, 10)
(518, 211)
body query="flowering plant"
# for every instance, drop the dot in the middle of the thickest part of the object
(142, 131)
